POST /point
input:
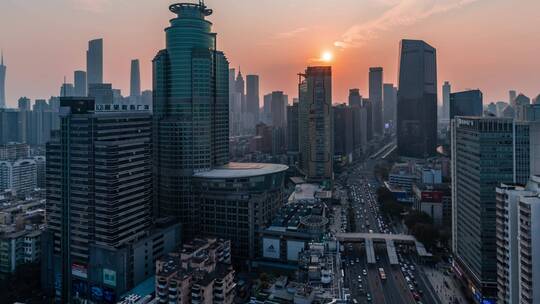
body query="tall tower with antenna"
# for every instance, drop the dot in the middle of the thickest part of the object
(3, 69)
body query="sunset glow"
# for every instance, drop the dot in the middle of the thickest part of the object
(327, 56)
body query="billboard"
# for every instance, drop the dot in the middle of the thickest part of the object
(271, 248)
(79, 271)
(293, 248)
(109, 277)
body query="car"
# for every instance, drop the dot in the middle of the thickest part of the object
(416, 296)
(411, 287)
(368, 296)
(364, 272)
(357, 260)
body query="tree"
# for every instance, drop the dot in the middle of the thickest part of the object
(417, 217)
(426, 233)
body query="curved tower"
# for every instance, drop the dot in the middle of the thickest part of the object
(191, 104)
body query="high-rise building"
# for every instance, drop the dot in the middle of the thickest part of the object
(355, 99)
(3, 69)
(343, 133)
(67, 90)
(417, 100)
(19, 176)
(252, 98)
(94, 61)
(292, 128)
(446, 89)
(81, 87)
(99, 188)
(102, 93)
(190, 112)
(466, 103)
(376, 98)
(366, 104)
(511, 97)
(12, 126)
(486, 151)
(529, 248)
(389, 105)
(491, 109)
(24, 104)
(521, 104)
(135, 79)
(316, 137)
(278, 107)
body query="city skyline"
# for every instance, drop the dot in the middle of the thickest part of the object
(355, 45)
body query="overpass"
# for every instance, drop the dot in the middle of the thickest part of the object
(389, 239)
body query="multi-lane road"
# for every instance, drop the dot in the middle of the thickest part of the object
(403, 283)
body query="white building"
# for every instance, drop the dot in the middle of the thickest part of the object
(18, 176)
(518, 242)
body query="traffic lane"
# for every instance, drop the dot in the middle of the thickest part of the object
(375, 285)
(430, 295)
(393, 288)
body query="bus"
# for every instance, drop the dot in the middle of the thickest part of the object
(382, 274)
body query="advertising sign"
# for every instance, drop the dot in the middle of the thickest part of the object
(293, 248)
(271, 248)
(109, 277)
(79, 271)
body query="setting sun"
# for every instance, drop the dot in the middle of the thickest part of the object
(327, 56)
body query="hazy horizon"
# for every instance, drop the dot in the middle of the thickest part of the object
(276, 39)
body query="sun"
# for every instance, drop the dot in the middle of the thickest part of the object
(327, 56)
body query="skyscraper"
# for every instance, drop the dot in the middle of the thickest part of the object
(135, 82)
(81, 87)
(252, 98)
(190, 111)
(101, 92)
(389, 104)
(511, 97)
(446, 88)
(466, 103)
(3, 69)
(316, 138)
(417, 100)
(94, 61)
(99, 185)
(486, 151)
(376, 98)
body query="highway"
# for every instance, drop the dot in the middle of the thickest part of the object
(403, 282)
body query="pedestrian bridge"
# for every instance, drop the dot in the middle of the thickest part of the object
(389, 239)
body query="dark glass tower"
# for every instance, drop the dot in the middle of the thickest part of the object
(466, 103)
(417, 100)
(135, 79)
(191, 105)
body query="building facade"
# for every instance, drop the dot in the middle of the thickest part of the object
(466, 103)
(94, 61)
(376, 98)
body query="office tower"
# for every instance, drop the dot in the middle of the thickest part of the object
(446, 88)
(41, 105)
(492, 109)
(278, 107)
(315, 124)
(12, 126)
(389, 104)
(252, 98)
(3, 69)
(190, 106)
(376, 98)
(366, 104)
(98, 168)
(521, 103)
(24, 104)
(536, 100)
(81, 87)
(417, 100)
(102, 93)
(466, 103)
(67, 90)
(511, 97)
(501, 105)
(292, 128)
(94, 61)
(355, 99)
(135, 82)
(343, 133)
(486, 152)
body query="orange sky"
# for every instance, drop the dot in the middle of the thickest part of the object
(493, 45)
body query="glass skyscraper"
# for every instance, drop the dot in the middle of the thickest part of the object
(417, 100)
(190, 104)
(2, 83)
(466, 103)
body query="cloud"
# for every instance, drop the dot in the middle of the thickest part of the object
(399, 13)
(291, 33)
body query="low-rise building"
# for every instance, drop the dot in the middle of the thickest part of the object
(201, 272)
(17, 248)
